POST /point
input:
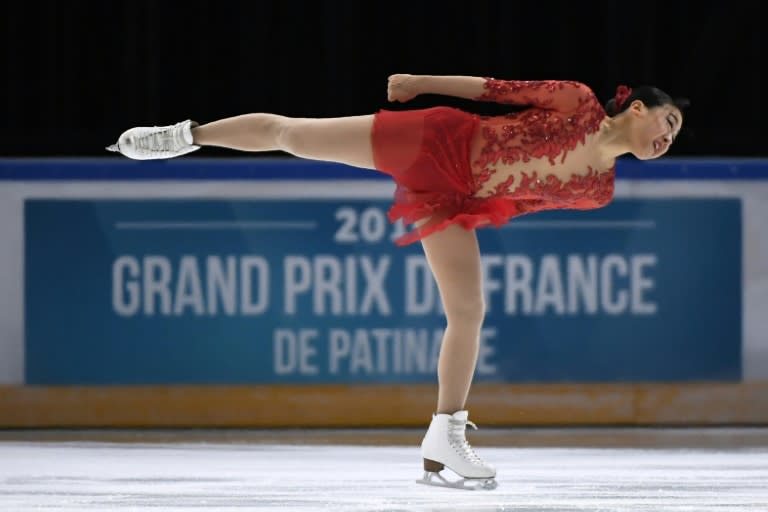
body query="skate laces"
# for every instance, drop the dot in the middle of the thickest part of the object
(458, 440)
(162, 140)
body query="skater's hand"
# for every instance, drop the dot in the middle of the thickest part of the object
(402, 88)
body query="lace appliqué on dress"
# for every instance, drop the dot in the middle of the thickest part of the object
(564, 113)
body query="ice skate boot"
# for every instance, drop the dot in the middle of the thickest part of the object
(445, 445)
(150, 143)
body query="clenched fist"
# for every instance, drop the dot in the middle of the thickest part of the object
(401, 88)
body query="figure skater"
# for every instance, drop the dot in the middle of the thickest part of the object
(456, 172)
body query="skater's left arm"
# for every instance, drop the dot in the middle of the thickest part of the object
(406, 87)
(564, 95)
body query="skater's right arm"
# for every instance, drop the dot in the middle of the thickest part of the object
(555, 94)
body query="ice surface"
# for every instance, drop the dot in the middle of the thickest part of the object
(182, 476)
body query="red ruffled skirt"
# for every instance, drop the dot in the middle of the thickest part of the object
(427, 153)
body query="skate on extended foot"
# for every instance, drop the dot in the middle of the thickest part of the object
(445, 445)
(149, 143)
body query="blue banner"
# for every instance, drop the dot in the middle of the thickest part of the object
(314, 291)
(191, 168)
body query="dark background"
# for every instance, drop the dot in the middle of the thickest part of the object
(76, 74)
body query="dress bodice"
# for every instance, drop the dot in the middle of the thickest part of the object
(545, 156)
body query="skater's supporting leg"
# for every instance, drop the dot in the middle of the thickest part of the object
(454, 257)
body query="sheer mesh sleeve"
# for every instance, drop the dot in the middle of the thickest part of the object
(561, 95)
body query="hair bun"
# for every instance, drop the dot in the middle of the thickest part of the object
(622, 93)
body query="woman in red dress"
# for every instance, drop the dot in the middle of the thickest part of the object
(456, 172)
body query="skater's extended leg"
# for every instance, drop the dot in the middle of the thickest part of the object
(337, 139)
(344, 140)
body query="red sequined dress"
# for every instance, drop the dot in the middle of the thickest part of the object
(453, 167)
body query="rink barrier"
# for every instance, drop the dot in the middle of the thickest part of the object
(496, 405)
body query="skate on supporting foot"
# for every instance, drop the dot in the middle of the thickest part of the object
(445, 445)
(150, 143)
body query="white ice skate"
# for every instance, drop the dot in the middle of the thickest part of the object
(150, 143)
(445, 445)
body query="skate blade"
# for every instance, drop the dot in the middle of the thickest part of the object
(465, 484)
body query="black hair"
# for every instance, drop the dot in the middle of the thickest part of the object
(650, 96)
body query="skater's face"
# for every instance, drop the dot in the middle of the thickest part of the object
(653, 130)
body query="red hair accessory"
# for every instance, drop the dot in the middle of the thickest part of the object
(622, 93)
